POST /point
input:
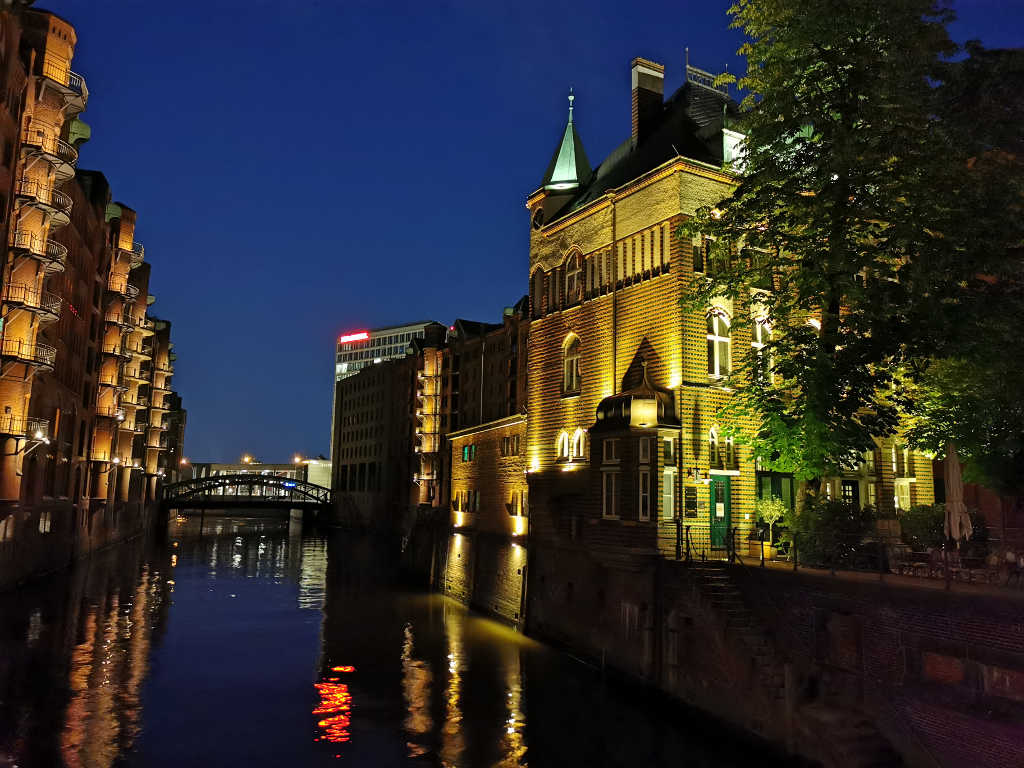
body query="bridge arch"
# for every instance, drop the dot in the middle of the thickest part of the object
(243, 490)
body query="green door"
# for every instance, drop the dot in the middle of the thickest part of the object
(718, 509)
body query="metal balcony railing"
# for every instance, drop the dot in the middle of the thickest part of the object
(44, 139)
(72, 83)
(120, 285)
(134, 374)
(116, 350)
(96, 455)
(43, 303)
(45, 196)
(53, 255)
(29, 427)
(135, 255)
(26, 352)
(110, 412)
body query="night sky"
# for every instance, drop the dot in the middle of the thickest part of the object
(301, 169)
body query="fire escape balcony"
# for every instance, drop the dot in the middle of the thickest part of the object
(116, 350)
(68, 84)
(110, 412)
(134, 375)
(39, 355)
(29, 427)
(134, 255)
(160, 388)
(49, 200)
(139, 352)
(41, 140)
(43, 304)
(113, 382)
(53, 255)
(119, 284)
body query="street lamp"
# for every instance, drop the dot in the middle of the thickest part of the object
(298, 459)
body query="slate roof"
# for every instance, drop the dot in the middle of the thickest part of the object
(690, 125)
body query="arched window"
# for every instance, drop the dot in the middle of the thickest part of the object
(579, 445)
(562, 448)
(571, 365)
(760, 335)
(719, 357)
(573, 279)
(713, 460)
(537, 294)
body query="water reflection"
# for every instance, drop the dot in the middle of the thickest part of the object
(253, 641)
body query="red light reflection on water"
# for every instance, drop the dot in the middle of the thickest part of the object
(335, 708)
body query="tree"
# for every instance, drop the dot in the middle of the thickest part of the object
(770, 511)
(842, 232)
(969, 391)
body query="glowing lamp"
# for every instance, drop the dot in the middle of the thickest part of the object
(116, 460)
(520, 525)
(39, 434)
(358, 336)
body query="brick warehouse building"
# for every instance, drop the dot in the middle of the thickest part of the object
(84, 370)
(625, 455)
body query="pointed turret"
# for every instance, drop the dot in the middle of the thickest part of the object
(569, 167)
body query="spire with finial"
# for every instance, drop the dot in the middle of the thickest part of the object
(569, 167)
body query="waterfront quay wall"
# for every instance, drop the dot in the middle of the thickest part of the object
(52, 534)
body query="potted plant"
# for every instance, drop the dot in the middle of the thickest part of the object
(770, 511)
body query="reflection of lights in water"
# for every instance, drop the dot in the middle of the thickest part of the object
(451, 735)
(336, 704)
(416, 680)
(174, 560)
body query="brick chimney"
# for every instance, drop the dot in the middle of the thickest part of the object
(648, 96)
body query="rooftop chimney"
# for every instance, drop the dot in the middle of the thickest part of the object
(648, 96)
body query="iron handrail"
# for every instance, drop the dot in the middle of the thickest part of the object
(30, 427)
(46, 195)
(30, 296)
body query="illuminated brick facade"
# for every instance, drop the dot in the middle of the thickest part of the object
(608, 278)
(84, 370)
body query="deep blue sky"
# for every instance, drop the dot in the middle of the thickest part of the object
(306, 168)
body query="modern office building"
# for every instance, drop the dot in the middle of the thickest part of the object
(358, 349)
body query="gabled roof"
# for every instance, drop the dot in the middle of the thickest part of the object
(569, 167)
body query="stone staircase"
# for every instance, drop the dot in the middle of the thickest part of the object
(840, 737)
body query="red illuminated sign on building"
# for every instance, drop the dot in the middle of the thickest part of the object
(358, 336)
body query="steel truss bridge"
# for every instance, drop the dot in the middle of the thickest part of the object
(247, 491)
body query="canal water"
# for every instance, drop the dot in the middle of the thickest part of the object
(250, 642)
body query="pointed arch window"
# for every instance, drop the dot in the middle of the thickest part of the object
(562, 447)
(573, 279)
(571, 365)
(579, 445)
(760, 335)
(719, 345)
(713, 455)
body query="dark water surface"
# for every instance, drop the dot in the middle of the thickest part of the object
(250, 642)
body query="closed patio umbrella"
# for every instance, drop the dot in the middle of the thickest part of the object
(958, 522)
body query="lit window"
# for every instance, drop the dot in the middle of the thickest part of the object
(719, 358)
(571, 365)
(563, 446)
(610, 448)
(578, 444)
(713, 457)
(644, 502)
(45, 521)
(760, 335)
(668, 494)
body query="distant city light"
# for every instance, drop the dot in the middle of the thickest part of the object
(358, 336)
(288, 485)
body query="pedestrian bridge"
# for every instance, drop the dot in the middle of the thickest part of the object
(246, 491)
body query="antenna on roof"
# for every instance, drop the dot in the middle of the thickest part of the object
(687, 57)
(572, 98)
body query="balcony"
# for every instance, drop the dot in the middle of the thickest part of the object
(114, 382)
(145, 326)
(29, 427)
(49, 200)
(53, 256)
(134, 375)
(139, 352)
(116, 350)
(70, 85)
(42, 140)
(39, 355)
(43, 304)
(110, 412)
(134, 255)
(99, 456)
(119, 284)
